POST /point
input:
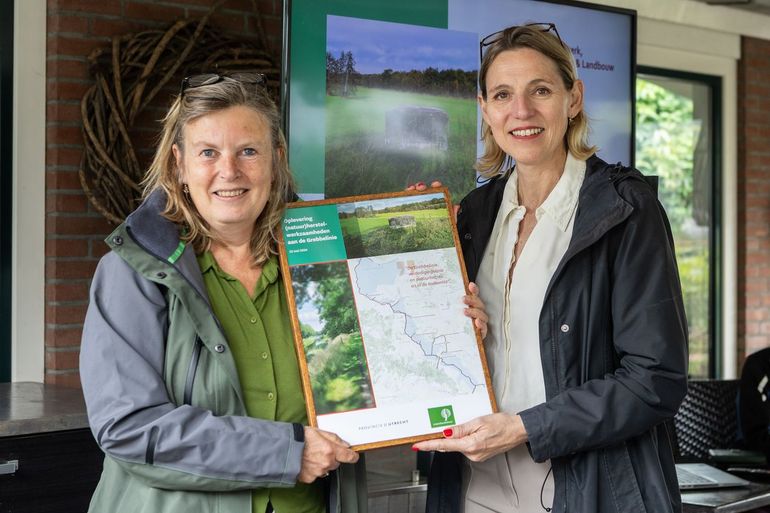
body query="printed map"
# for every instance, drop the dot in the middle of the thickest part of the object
(432, 349)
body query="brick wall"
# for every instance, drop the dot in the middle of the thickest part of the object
(74, 230)
(753, 196)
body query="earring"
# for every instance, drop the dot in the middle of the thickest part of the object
(185, 188)
(570, 120)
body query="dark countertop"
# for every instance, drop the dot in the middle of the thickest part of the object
(27, 408)
(727, 500)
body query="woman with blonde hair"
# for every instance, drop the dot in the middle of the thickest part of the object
(587, 336)
(187, 362)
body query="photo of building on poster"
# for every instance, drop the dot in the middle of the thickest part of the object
(376, 284)
(400, 107)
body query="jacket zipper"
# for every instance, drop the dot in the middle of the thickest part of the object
(197, 292)
(191, 371)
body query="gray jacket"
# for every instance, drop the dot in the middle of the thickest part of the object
(613, 344)
(163, 396)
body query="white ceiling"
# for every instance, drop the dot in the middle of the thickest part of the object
(751, 20)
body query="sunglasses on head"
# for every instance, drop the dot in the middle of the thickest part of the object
(495, 36)
(205, 79)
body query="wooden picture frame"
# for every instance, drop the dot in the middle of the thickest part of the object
(374, 285)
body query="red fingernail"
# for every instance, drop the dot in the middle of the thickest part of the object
(415, 448)
(420, 184)
(447, 433)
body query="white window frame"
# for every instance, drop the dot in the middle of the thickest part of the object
(28, 237)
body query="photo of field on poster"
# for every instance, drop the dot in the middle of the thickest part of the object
(396, 225)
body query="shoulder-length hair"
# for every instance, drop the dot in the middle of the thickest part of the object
(494, 160)
(163, 172)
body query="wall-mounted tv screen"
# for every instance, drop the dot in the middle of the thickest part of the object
(380, 94)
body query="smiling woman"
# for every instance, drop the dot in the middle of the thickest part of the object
(222, 135)
(225, 161)
(527, 113)
(187, 360)
(587, 341)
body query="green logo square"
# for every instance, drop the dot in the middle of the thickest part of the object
(441, 416)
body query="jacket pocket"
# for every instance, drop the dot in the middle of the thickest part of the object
(623, 480)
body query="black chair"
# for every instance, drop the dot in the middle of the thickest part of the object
(707, 419)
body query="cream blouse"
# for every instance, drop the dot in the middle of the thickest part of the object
(513, 481)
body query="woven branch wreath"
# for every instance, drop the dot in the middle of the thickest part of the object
(128, 76)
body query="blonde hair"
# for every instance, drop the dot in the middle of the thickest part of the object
(164, 175)
(494, 160)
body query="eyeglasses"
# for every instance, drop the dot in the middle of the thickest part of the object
(206, 79)
(496, 36)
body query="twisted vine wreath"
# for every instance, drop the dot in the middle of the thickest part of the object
(129, 75)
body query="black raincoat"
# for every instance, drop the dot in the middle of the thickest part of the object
(613, 344)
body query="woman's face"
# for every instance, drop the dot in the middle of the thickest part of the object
(226, 163)
(528, 106)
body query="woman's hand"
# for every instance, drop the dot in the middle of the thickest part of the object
(480, 438)
(420, 186)
(476, 309)
(323, 453)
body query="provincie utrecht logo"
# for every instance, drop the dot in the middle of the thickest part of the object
(441, 416)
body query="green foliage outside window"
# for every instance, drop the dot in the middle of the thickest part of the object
(666, 139)
(665, 144)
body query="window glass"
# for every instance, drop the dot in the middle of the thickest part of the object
(675, 140)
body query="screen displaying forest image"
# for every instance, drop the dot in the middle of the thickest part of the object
(400, 107)
(331, 337)
(395, 225)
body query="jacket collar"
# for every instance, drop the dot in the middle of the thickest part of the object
(600, 209)
(151, 230)
(600, 206)
(160, 238)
